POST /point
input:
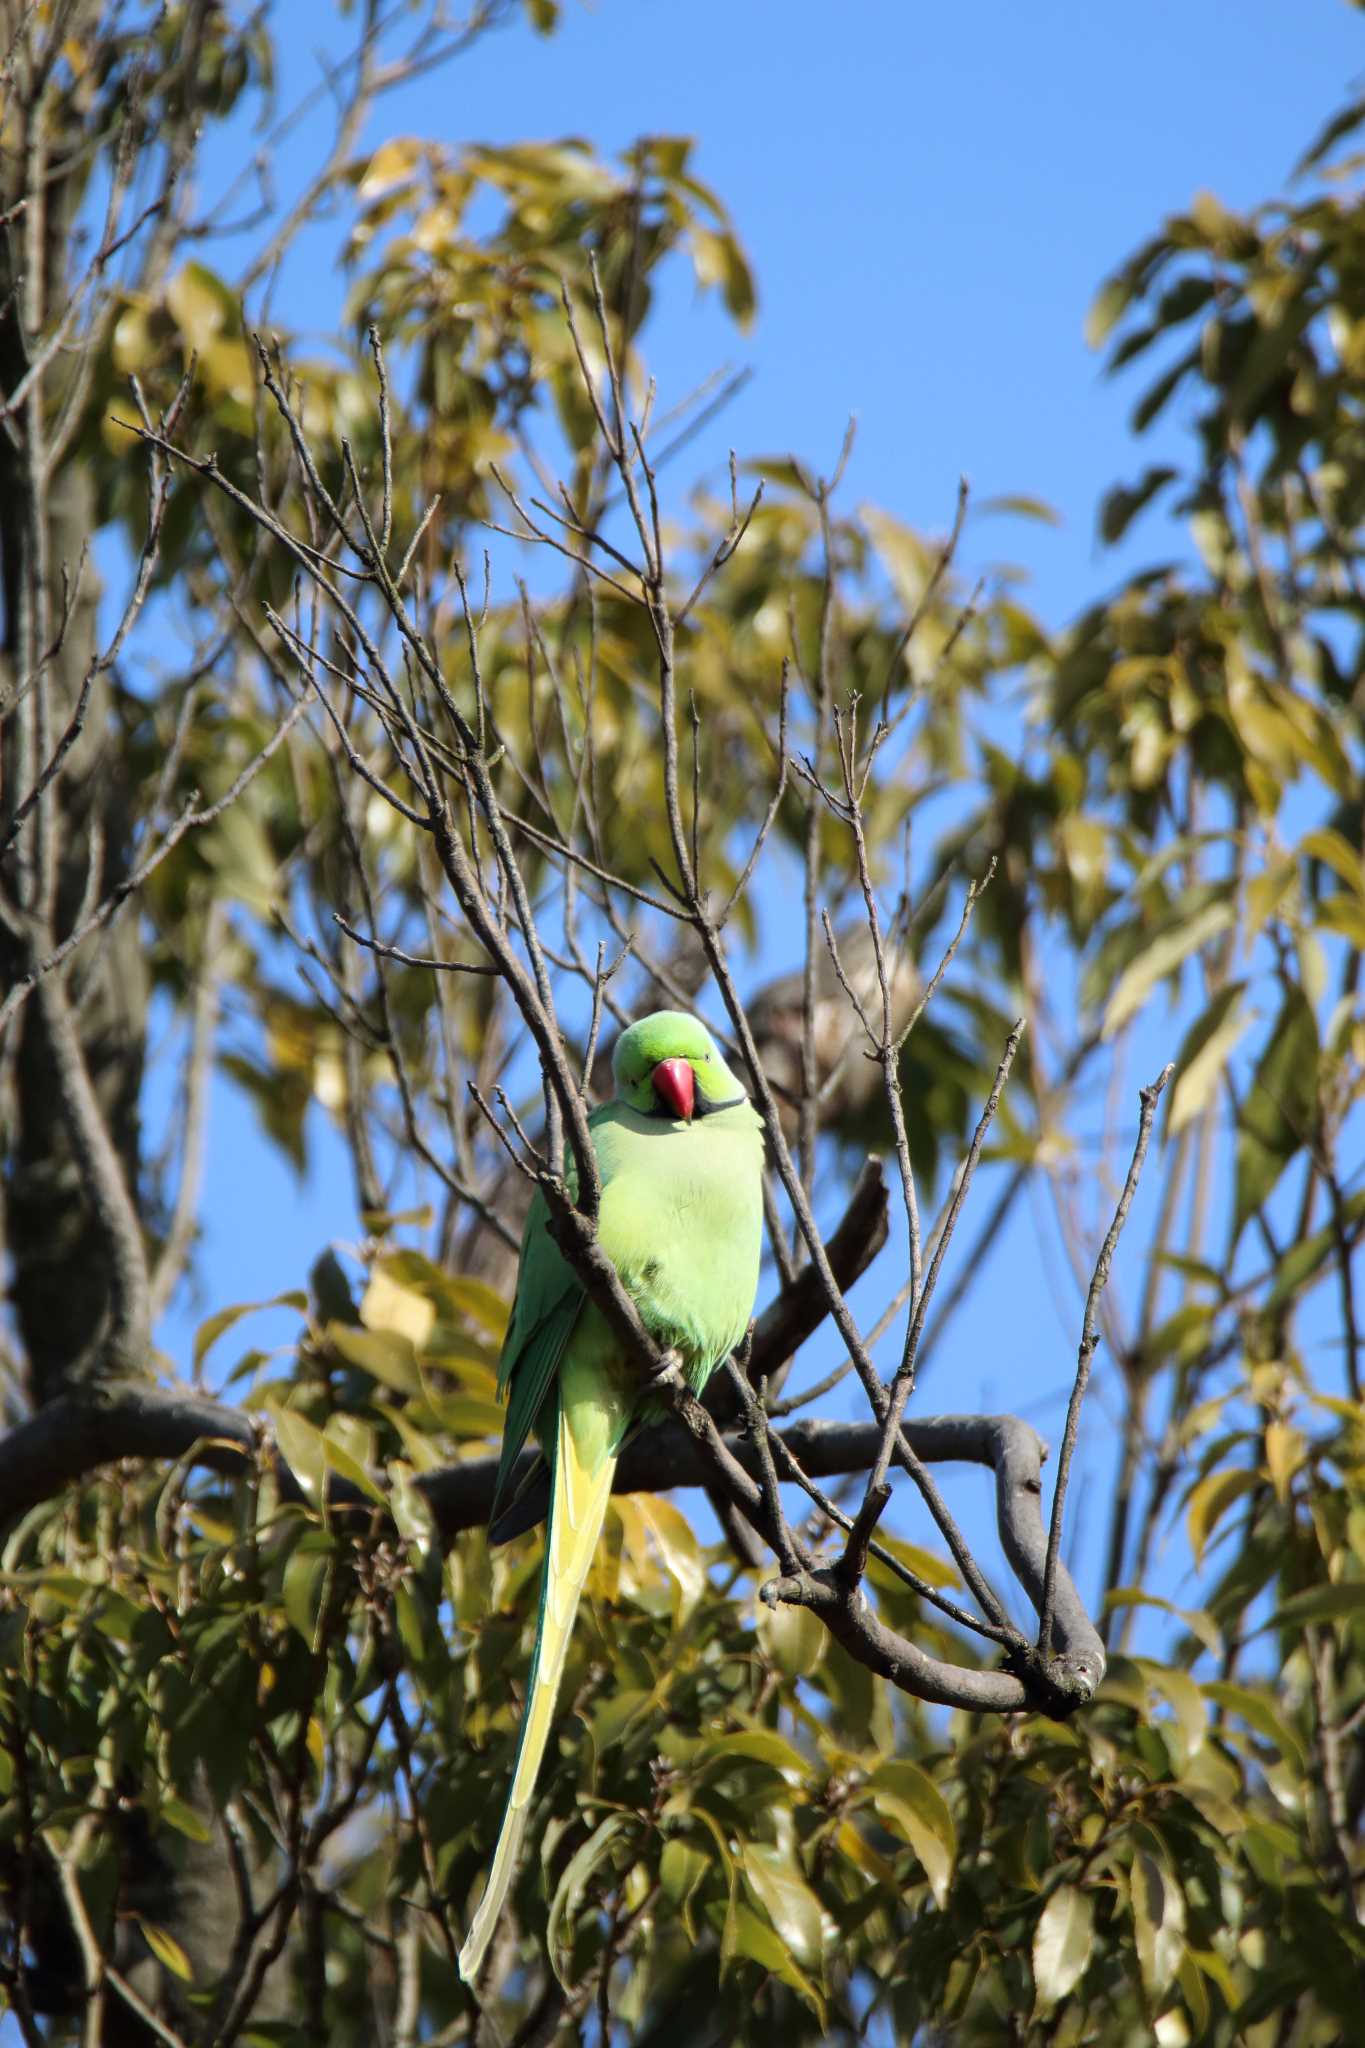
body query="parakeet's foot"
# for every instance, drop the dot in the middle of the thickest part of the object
(669, 1370)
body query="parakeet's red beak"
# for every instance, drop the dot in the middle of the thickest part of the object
(675, 1083)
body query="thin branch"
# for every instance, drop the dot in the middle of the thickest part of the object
(1148, 1097)
(904, 1381)
(191, 819)
(175, 1251)
(432, 960)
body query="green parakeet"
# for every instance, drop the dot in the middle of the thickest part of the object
(680, 1151)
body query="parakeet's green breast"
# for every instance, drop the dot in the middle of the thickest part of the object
(682, 1221)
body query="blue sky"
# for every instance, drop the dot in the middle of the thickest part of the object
(930, 197)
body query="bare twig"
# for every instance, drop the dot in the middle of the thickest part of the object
(1149, 1097)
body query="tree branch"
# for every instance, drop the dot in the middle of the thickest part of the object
(76, 1435)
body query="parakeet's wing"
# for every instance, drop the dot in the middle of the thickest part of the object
(548, 1303)
(549, 1300)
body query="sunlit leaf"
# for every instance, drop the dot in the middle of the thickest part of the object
(1204, 1055)
(907, 1799)
(1167, 951)
(1062, 1944)
(781, 1890)
(749, 1936)
(1158, 1922)
(388, 1306)
(1195, 1620)
(301, 1441)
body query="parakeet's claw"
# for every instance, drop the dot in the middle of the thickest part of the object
(669, 1371)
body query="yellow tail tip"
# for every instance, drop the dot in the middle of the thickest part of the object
(577, 1510)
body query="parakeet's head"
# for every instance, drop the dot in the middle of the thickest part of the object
(667, 1065)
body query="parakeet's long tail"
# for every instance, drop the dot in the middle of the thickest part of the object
(580, 1490)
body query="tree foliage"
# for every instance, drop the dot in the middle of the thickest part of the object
(314, 761)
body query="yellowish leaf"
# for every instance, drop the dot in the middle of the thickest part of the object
(1285, 1450)
(167, 1950)
(388, 1305)
(392, 163)
(1209, 1502)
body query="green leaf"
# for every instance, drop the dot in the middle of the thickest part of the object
(782, 470)
(1062, 1942)
(238, 847)
(1344, 1602)
(1204, 1053)
(1173, 944)
(1158, 1922)
(610, 1720)
(1157, 396)
(481, 1303)
(389, 1306)
(1330, 1952)
(1266, 359)
(1335, 851)
(910, 1804)
(350, 1468)
(185, 1820)
(718, 259)
(1199, 1624)
(302, 1445)
(305, 1585)
(1210, 1499)
(200, 304)
(1280, 1111)
(1120, 506)
(208, 1333)
(573, 1884)
(1311, 1253)
(747, 1935)
(1109, 305)
(392, 164)
(760, 1746)
(681, 1869)
(677, 1545)
(1337, 129)
(1018, 505)
(386, 1355)
(1186, 1701)
(788, 1901)
(1345, 915)
(461, 1415)
(792, 1638)
(1255, 1709)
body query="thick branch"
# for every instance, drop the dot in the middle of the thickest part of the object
(113, 1214)
(75, 1436)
